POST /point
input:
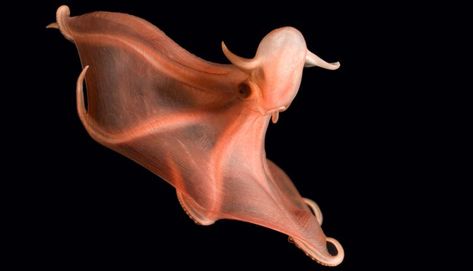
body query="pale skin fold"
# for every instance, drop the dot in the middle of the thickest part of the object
(198, 125)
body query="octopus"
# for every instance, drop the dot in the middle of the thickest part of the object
(198, 125)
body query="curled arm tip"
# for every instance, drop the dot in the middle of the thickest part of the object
(53, 25)
(62, 14)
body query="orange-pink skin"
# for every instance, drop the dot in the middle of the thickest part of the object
(198, 125)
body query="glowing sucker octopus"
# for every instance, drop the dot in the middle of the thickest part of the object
(198, 125)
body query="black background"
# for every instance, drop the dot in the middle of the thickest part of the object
(360, 141)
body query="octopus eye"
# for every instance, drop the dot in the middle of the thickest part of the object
(244, 90)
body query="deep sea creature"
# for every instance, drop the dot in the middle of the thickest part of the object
(198, 125)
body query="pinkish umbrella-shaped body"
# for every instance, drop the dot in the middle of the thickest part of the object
(198, 125)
